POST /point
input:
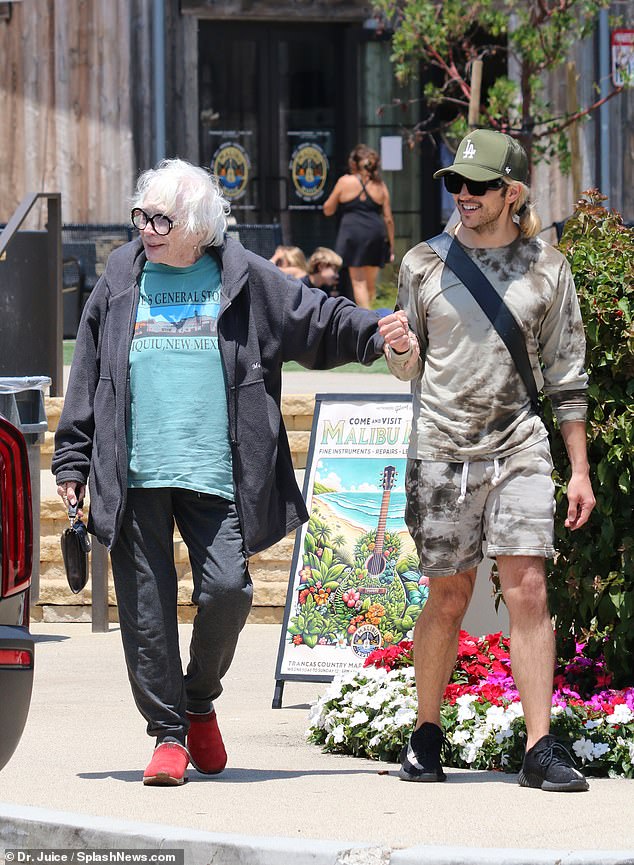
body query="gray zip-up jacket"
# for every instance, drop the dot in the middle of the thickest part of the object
(265, 319)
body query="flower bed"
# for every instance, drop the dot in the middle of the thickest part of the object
(371, 712)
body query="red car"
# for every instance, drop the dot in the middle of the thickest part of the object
(16, 552)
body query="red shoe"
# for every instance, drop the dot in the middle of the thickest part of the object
(167, 766)
(204, 743)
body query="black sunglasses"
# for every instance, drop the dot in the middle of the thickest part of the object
(454, 183)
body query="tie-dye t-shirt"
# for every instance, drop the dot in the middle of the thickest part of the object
(178, 431)
(469, 400)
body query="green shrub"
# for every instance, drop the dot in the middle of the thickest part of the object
(592, 580)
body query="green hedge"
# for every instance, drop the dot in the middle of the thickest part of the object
(592, 580)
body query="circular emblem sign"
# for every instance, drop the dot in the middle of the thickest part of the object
(309, 171)
(231, 165)
(365, 640)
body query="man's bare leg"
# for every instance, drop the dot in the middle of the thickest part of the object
(523, 583)
(435, 648)
(436, 640)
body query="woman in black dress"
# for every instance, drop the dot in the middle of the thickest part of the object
(365, 239)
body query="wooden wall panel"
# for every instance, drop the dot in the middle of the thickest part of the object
(66, 107)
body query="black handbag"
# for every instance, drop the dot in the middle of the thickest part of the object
(75, 548)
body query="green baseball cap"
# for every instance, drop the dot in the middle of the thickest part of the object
(486, 155)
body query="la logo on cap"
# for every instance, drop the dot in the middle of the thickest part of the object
(469, 151)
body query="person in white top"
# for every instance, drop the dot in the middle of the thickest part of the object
(479, 464)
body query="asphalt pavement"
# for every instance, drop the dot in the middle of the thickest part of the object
(75, 781)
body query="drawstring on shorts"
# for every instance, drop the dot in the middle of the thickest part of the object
(495, 480)
(463, 482)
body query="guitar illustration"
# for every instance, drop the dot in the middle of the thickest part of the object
(377, 562)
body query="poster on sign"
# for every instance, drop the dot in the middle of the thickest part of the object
(354, 585)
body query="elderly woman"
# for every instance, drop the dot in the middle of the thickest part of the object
(173, 411)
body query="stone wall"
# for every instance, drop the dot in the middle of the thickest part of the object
(270, 570)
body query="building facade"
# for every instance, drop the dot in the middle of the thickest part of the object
(270, 94)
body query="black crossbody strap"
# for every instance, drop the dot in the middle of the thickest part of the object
(498, 313)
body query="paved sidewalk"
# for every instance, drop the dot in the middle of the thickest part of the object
(330, 381)
(280, 800)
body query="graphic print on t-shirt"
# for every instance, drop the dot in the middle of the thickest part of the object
(187, 319)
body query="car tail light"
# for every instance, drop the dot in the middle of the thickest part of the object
(16, 516)
(16, 658)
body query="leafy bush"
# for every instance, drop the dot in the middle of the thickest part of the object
(592, 580)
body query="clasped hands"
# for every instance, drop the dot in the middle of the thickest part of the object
(395, 331)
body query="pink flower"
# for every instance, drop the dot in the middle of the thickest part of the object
(350, 597)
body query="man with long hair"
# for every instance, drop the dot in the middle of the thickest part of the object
(479, 467)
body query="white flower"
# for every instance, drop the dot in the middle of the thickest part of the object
(315, 717)
(622, 714)
(478, 736)
(466, 711)
(501, 735)
(317, 713)
(496, 718)
(334, 691)
(584, 749)
(514, 710)
(590, 724)
(359, 699)
(377, 699)
(359, 718)
(600, 748)
(460, 737)
(375, 740)
(470, 753)
(405, 717)
(338, 734)
(332, 719)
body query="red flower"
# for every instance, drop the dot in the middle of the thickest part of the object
(398, 655)
(453, 691)
(491, 692)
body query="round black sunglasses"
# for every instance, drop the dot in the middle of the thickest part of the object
(161, 223)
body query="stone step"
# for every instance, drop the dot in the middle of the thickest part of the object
(270, 569)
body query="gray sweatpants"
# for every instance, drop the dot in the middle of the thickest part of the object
(147, 591)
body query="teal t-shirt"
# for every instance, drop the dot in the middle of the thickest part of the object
(178, 430)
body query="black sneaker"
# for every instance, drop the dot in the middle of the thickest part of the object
(549, 766)
(420, 758)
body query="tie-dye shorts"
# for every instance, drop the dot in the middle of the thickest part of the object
(505, 505)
